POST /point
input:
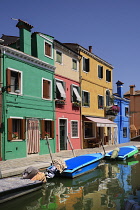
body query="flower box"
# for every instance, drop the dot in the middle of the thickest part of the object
(112, 110)
(76, 104)
(60, 102)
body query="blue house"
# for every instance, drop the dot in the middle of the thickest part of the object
(122, 118)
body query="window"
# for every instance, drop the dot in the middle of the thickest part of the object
(100, 102)
(60, 90)
(126, 112)
(59, 57)
(16, 129)
(47, 129)
(85, 64)
(13, 81)
(100, 71)
(46, 89)
(107, 98)
(74, 64)
(75, 94)
(48, 49)
(89, 130)
(108, 75)
(74, 128)
(85, 98)
(124, 132)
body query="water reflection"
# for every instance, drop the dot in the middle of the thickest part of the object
(107, 187)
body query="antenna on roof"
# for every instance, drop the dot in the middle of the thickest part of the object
(14, 19)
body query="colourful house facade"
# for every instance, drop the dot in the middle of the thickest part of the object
(96, 88)
(67, 98)
(27, 74)
(122, 118)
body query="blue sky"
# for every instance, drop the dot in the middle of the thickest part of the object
(112, 27)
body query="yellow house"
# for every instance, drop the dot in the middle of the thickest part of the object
(96, 89)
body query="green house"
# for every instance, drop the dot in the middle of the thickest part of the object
(26, 99)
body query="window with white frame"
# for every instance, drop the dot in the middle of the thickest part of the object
(108, 75)
(89, 130)
(13, 81)
(86, 64)
(100, 102)
(100, 71)
(74, 64)
(60, 90)
(125, 132)
(75, 93)
(16, 129)
(47, 129)
(85, 98)
(74, 129)
(59, 57)
(48, 49)
(47, 89)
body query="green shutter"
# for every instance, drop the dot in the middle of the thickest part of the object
(88, 98)
(82, 98)
(71, 88)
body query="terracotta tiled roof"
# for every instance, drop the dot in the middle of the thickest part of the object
(137, 92)
(9, 39)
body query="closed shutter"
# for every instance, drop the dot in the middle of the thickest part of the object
(23, 131)
(83, 98)
(9, 128)
(109, 76)
(46, 88)
(52, 129)
(8, 79)
(71, 88)
(88, 98)
(64, 86)
(47, 49)
(42, 123)
(54, 88)
(87, 65)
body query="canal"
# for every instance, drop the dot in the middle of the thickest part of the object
(107, 187)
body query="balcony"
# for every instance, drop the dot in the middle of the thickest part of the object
(112, 110)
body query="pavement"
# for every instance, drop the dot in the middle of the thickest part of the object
(15, 167)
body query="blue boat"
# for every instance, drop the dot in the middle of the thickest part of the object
(82, 164)
(122, 153)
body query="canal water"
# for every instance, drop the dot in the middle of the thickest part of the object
(107, 187)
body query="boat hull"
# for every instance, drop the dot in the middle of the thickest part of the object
(124, 153)
(81, 165)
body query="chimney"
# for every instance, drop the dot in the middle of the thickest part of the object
(120, 88)
(25, 36)
(90, 49)
(132, 89)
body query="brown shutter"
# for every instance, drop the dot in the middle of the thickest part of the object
(46, 87)
(23, 130)
(47, 49)
(8, 79)
(42, 122)
(9, 121)
(52, 129)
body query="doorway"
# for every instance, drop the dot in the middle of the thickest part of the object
(33, 136)
(63, 134)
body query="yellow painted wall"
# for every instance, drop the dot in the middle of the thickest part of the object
(96, 86)
(65, 69)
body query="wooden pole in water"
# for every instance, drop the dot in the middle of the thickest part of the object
(71, 146)
(103, 146)
(49, 148)
(0, 175)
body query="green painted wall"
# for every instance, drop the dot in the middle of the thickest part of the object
(29, 104)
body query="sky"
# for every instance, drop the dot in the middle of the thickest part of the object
(111, 27)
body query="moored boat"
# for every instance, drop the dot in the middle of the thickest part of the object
(122, 153)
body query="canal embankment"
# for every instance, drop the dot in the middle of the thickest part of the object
(17, 166)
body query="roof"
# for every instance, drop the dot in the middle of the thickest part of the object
(137, 92)
(76, 46)
(9, 39)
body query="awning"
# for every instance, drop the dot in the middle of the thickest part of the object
(77, 94)
(61, 89)
(102, 122)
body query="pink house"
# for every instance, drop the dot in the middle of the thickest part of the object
(67, 98)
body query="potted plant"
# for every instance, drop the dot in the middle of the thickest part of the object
(76, 104)
(47, 135)
(15, 135)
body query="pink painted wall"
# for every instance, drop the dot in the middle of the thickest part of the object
(68, 112)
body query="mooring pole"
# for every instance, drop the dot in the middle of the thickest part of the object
(0, 175)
